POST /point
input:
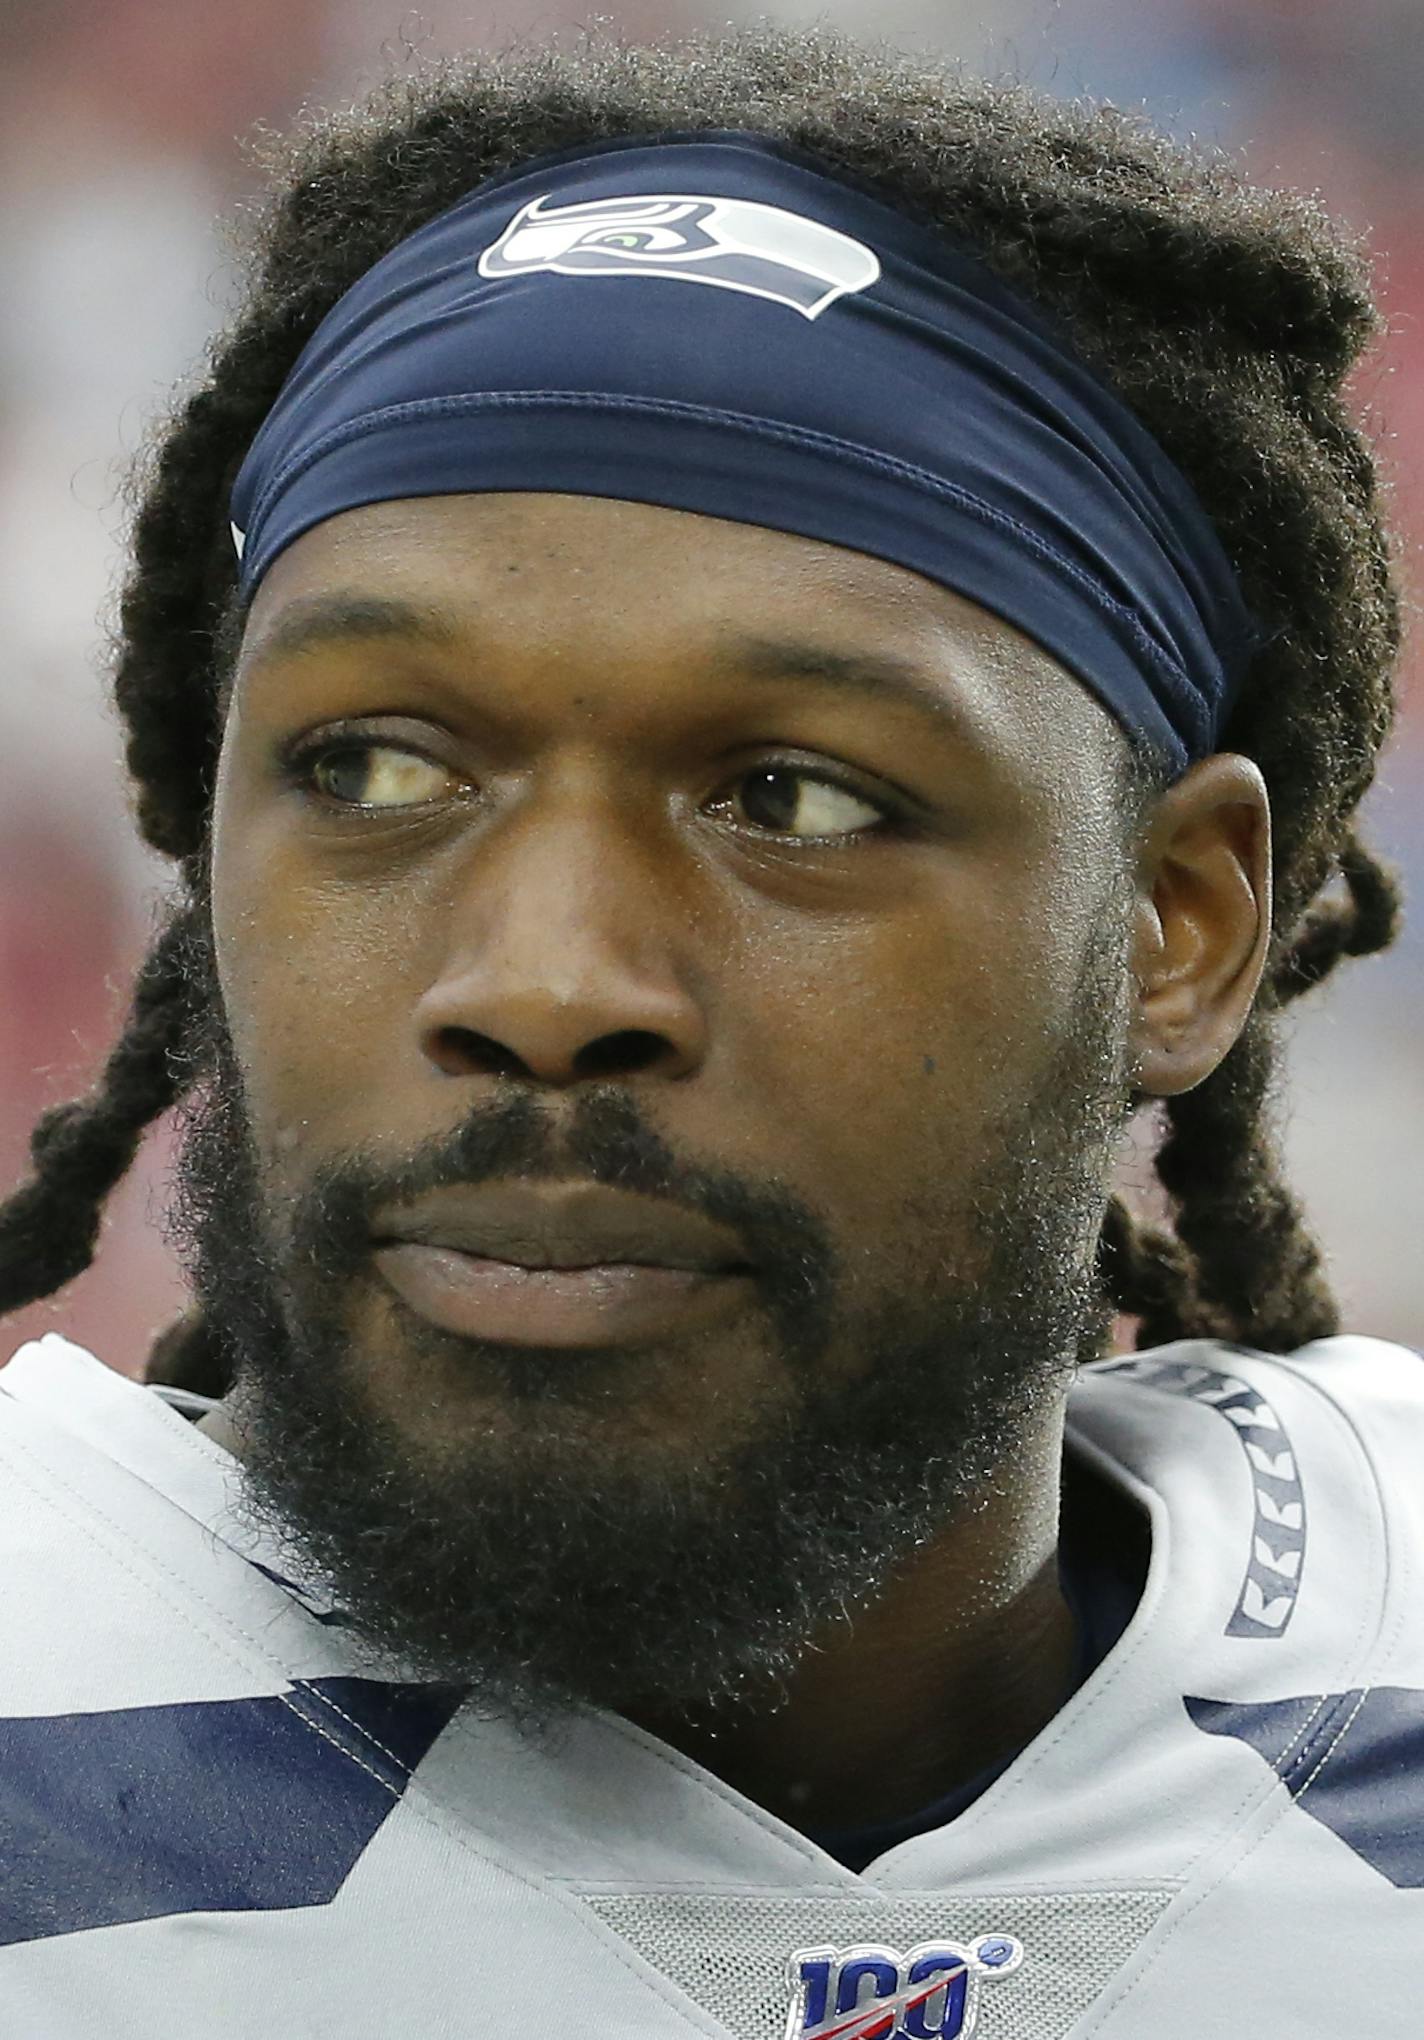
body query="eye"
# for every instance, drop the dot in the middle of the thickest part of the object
(648, 240)
(777, 796)
(370, 774)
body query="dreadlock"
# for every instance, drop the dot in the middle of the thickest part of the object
(1226, 316)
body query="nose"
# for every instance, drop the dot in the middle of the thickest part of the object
(567, 956)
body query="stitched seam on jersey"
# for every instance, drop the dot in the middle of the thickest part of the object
(1170, 1928)
(872, 1897)
(421, 1806)
(1059, 1728)
(1365, 1692)
(320, 1699)
(1259, 1793)
(1334, 1705)
(218, 1638)
(1287, 1805)
(324, 1700)
(682, 1767)
(869, 1895)
(1294, 1751)
(316, 1699)
(1170, 1931)
(217, 1455)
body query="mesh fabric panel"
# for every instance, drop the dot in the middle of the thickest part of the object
(729, 1952)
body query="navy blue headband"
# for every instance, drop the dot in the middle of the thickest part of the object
(850, 376)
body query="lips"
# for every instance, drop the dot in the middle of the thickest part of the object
(584, 1226)
(612, 1303)
(579, 1267)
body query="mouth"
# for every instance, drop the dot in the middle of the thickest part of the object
(609, 1303)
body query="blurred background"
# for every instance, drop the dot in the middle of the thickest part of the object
(120, 131)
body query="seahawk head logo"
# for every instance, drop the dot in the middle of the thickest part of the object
(734, 243)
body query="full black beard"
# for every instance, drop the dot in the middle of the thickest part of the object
(552, 1559)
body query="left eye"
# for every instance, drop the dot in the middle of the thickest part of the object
(776, 791)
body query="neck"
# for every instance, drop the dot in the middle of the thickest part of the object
(962, 1660)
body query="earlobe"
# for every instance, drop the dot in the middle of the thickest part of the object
(1203, 922)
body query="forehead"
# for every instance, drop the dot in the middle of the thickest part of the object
(637, 595)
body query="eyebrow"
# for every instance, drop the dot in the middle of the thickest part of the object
(313, 623)
(880, 676)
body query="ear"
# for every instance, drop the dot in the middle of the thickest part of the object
(1203, 922)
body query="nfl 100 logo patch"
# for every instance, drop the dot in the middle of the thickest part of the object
(929, 1993)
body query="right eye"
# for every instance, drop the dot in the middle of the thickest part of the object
(370, 774)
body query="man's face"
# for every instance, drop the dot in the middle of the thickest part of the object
(587, 908)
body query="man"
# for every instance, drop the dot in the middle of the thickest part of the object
(747, 650)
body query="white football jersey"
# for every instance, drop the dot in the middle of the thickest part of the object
(221, 1819)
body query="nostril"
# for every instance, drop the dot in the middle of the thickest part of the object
(626, 1052)
(462, 1052)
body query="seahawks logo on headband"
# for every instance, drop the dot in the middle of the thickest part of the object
(734, 243)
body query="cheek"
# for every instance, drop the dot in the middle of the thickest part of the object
(312, 1017)
(311, 978)
(882, 1061)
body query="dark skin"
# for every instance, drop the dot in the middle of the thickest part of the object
(600, 671)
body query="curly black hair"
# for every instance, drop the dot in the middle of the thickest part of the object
(1227, 317)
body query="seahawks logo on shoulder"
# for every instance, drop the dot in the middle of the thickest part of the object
(734, 243)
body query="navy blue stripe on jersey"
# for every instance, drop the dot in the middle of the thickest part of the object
(256, 1804)
(1354, 1760)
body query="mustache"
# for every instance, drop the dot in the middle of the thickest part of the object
(323, 1225)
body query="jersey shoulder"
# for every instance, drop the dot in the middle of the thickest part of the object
(1357, 1396)
(1299, 1472)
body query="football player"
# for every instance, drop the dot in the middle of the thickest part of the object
(747, 651)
